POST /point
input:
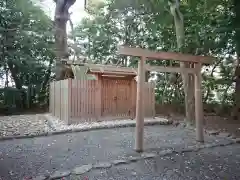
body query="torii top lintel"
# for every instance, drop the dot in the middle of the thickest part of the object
(165, 55)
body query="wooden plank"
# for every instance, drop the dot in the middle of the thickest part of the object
(63, 100)
(61, 110)
(94, 102)
(133, 98)
(75, 98)
(87, 87)
(55, 91)
(85, 97)
(81, 91)
(57, 99)
(88, 95)
(170, 69)
(153, 101)
(139, 106)
(51, 99)
(66, 115)
(69, 103)
(165, 55)
(99, 98)
(198, 104)
(54, 95)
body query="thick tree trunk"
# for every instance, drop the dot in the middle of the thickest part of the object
(188, 80)
(61, 18)
(236, 110)
(61, 46)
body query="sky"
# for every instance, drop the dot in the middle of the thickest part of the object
(77, 9)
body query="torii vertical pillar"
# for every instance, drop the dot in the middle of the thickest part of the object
(198, 103)
(139, 106)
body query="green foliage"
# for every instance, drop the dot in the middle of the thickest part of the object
(149, 24)
(27, 52)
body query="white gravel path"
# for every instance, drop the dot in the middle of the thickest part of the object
(59, 125)
(28, 125)
(19, 125)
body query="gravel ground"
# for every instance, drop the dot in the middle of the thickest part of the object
(36, 156)
(218, 163)
(58, 125)
(33, 125)
(22, 125)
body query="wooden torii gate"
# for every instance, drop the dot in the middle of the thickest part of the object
(148, 55)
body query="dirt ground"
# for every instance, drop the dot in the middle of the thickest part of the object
(214, 122)
(223, 124)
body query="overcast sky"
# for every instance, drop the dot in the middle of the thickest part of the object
(77, 9)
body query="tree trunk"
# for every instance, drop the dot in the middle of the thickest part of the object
(236, 23)
(188, 80)
(61, 17)
(61, 46)
(237, 93)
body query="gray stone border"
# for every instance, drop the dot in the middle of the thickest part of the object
(83, 129)
(82, 169)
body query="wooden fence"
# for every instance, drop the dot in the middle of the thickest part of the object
(75, 101)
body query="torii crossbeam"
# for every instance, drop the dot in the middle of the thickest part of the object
(148, 55)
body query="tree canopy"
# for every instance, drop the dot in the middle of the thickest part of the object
(26, 50)
(211, 28)
(149, 24)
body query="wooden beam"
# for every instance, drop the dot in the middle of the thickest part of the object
(165, 55)
(198, 104)
(170, 69)
(139, 106)
(69, 62)
(147, 67)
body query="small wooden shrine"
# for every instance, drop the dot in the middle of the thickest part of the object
(93, 92)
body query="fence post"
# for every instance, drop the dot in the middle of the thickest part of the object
(139, 106)
(198, 103)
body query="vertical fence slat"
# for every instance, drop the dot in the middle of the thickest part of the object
(99, 98)
(61, 110)
(77, 96)
(83, 85)
(89, 100)
(53, 95)
(73, 99)
(69, 105)
(154, 100)
(87, 97)
(57, 99)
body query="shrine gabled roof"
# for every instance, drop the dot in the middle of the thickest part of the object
(109, 69)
